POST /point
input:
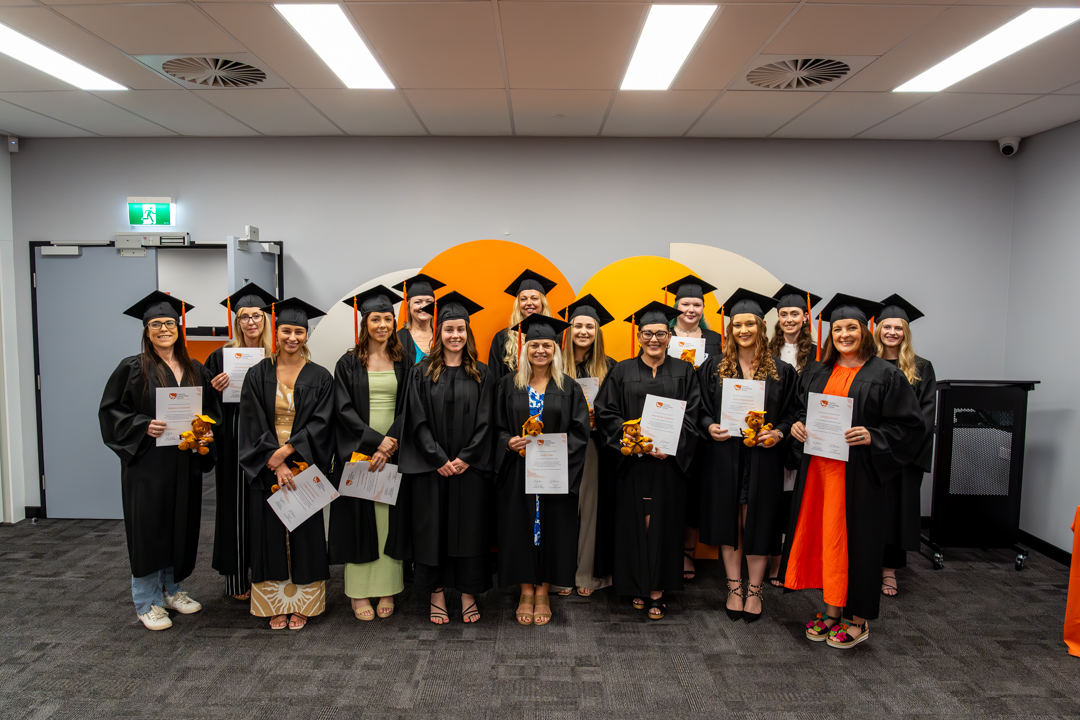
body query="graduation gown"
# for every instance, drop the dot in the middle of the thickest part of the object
(354, 537)
(495, 355)
(698, 467)
(607, 461)
(312, 438)
(230, 514)
(905, 497)
(720, 481)
(161, 487)
(445, 420)
(554, 560)
(887, 407)
(654, 560)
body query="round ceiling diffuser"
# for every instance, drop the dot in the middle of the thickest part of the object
(797, 74)
(214, 72)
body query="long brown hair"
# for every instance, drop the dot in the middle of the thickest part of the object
(393, 343)
(906, 360)
(866, 350)
(804, 344)
(763, 367)
(468, 356)
(150, 361)
(595, 361)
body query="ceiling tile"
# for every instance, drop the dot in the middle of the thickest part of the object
(153, 29)
(653, 113)
(942, 114)
(87, 111)
(750, 114)
(366, 112)
(849, 30)
(16, 75)
(180, 111)
(1034, 117)
(462, 112)
(1040, 3)
(582, 112)
(269, 37)
(271, 111)
(568, 46)
(734, 40)
(1050, 64)
(845, 115)
(15, 120)
(443, 45)
(59, 33)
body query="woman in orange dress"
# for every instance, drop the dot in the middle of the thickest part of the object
(838, 518)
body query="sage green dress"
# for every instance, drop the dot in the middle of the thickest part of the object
(382, 577)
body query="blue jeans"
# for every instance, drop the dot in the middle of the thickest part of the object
(146, 590)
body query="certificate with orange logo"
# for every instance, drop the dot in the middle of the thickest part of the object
(692, 350)
(661, 420)
(738, 399)
(547, 471)
(357, 480)
(177, 406)
(313, 492)
(235, 363)
(828, 417)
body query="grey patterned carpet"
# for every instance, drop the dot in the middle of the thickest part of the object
(975, 640)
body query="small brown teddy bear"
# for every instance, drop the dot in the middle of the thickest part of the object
(200, 430)
(532, 426)
(689, 355)
(633, 442)
(755, 423)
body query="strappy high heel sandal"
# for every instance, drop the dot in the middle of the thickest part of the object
(688, 553)
(751, 592)
(734, 615)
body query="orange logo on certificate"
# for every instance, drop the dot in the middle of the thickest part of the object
(349, 481)
(659, 404)
(738, 387)
(172, 396)
(318, 479)
(539, 442)
(825, 403)
(239, 355)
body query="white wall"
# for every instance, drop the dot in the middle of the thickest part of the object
(12, 473)
(930, 220)
(1041, 342)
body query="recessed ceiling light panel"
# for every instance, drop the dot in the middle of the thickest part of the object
(670, 33)
(49, 61)
(332, 36)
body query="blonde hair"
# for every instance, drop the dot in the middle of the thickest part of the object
(906, 360)
(265, 340)
(510, 347)
(523, 375)
(595, 358)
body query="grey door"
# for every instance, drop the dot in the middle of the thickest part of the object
(249, 263)
(82, 334)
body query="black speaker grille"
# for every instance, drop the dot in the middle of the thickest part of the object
(981, 453)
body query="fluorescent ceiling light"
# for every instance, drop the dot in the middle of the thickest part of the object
(1014, 35)
(49, 61)
(670, 33)
(330, 34)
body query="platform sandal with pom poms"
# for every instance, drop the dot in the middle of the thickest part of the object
(818, 629)
(840, 636)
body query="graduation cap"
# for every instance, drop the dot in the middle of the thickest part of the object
(542, 327)
(530, 280)
(249, 296)
(419, 285)
(791, 296)
(588, 306)
(454, 306)
(652, 314)
(157, 305)
(690, 286)
(293, 311)
(849, 307)
(377, 299)
(898, 307)
(748, 301)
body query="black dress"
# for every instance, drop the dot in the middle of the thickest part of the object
(698, 467)
(495, 364)
(644, 562)
(554, 559)
(312, 438)
(445, 519)
(727, 463)
(161, 487)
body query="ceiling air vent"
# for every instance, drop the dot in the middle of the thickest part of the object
(214, 72)
(798, 74)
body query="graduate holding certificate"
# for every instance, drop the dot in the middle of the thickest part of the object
(837, 528)
(250, 332)
(742, 486)
(538, 533)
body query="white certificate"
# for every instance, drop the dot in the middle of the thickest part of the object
(739, 398)
(661, 420)
(828, 417)
(691, 350)
(236, 362)
(177, 407)
(590, 386)
(359, 482)
(313, 492)
(547, 470)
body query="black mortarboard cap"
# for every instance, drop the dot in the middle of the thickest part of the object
(898, 307)
(690, 286)
(849, 307)
(654, 313)
(530, 280)
(748, 301)
(377, 299)
(418, 285)
(294, 311)
(249, 296)
(590, 307)
(157, 305)
(541, 327)
(791, 296)
(452, 306)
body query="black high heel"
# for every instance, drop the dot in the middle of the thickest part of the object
(749, 616)
(688, 553)
(734, 615)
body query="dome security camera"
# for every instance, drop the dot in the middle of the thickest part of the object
(1009, 146)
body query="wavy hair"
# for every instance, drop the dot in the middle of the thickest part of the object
(866, 350)
(523, 374)
(436, 363)
(804, 344)
(906, 360)
(764, 366)
(509, 355)
(360, 350)
(595, 358)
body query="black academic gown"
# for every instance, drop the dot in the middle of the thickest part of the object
(495, 364)
(445, 420)
(887, 407)
(721, 480)
(698, 468)
(161, 487)
(312, 438)
(607, 461)
(554, 560)
(905, 497)
(230, 512)
(648, 561)
(354, 536)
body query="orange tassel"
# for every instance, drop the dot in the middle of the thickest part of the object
(818, 356)
(183, 320)
(723, 330)
(519, 344)
(273, 327)
(633, 332)
(355, 321)
(665, 296)
(871, 324)
(228, 312)
(405, 302)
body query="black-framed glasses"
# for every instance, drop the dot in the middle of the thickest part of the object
(158, 324)
(659, 335)
(250, 319)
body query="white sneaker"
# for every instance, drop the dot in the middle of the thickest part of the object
(181, 603)
(156, 619)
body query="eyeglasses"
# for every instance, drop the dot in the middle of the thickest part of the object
(250, 319)
(649, 335)
(158, 324)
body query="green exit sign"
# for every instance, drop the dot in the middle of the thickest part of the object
(151, 211)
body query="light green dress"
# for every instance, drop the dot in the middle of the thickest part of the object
(381, 577)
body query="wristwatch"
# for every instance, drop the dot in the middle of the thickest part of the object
(780, 433)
